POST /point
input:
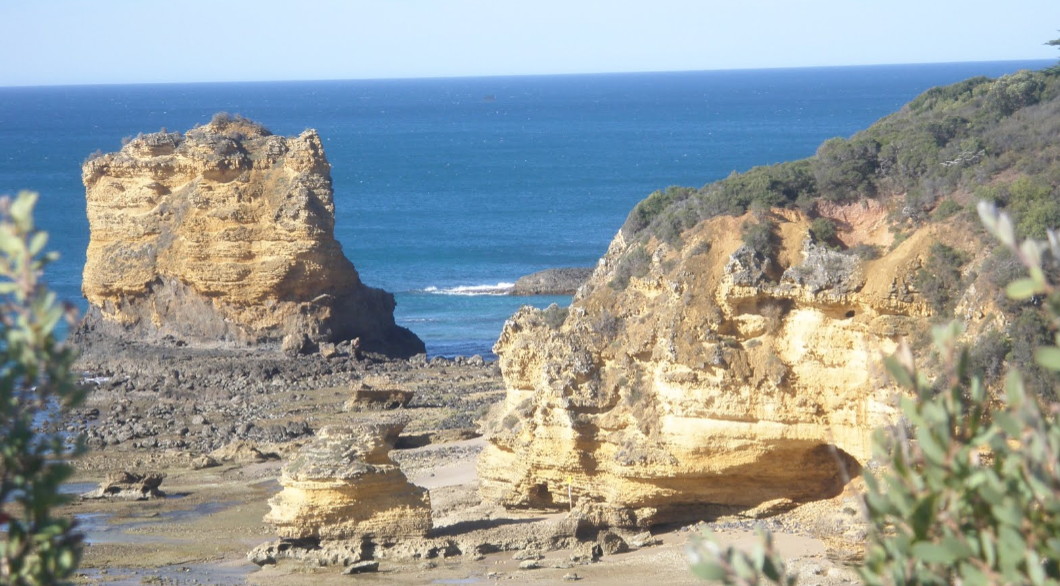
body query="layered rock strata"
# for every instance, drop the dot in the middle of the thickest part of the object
(343, 485)
(225, 235)
(705, 377)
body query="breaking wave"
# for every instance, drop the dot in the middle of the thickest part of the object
(469, 290)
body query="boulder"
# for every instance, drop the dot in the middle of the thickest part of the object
(343, 485)
(377, 393)
(241, 452)
(128, 486)
(224, 236)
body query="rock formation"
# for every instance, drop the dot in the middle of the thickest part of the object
(225, 235)
(344, 486)
(563, 281)
(714, 378)
(128, 486)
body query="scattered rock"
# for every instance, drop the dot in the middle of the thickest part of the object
(381, 394)
(362, 567)
(328, 350)
(241, 452)
(588, 552)
(611, 543)
(204, 461)
(313, 552)
(529, 565)
(571, 577)
(128, 486)
(645, 539)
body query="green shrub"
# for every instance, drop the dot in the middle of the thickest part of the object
(945, 209)
(36, 387)
(949, 96)
(1012, 92)
(635, 263)
(554, 316)
(939, 281)
(645, 212)
(760, 237)
(1034, 203)
(823, 230)
(845, 170)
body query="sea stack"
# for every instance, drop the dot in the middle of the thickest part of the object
(224, 237)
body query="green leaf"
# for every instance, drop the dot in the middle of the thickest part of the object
(1048, 356)
(933, 553)
(933, 450)
(709, 571)
(901, 376)
(1024, 289)
(37, 243)
(22, 210)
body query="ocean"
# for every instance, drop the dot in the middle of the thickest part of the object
(448, 190)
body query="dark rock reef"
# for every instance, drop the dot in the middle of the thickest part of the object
(563, 281)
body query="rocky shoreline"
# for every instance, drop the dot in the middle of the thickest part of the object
(219, 425)
(197, 400)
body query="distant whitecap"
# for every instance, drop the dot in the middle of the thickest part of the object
(496, 289)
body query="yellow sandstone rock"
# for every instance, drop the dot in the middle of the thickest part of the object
(344, 485)
(225, 235)
(716, 380)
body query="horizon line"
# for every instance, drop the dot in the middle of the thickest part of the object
(518, 75)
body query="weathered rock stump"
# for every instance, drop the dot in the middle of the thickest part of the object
(344, 486)
(128, 486)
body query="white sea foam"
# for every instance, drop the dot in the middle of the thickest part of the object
(497, 289)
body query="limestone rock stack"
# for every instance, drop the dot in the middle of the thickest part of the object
(343, 485)
(706, 376)
(225, 236)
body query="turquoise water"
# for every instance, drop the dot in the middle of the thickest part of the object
(446, 184)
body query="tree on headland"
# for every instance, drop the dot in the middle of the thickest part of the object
(36, 386)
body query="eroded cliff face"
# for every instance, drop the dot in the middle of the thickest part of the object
(714, 378)
(225, 235)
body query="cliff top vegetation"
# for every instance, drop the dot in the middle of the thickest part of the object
(992, 139)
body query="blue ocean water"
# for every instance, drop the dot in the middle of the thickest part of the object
(446, 189)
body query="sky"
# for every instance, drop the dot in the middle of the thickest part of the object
(50, 42)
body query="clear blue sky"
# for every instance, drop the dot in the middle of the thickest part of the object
(123, 41)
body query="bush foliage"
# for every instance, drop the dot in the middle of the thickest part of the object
(36, 386)
(962, 136)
